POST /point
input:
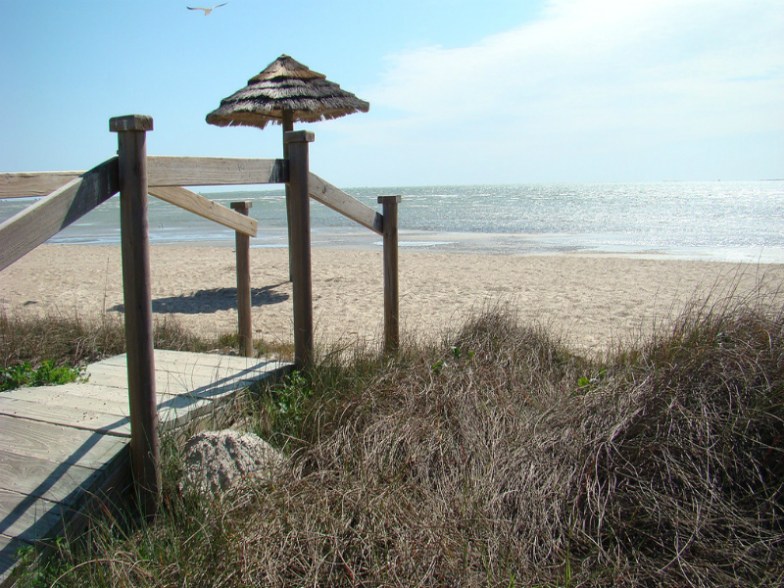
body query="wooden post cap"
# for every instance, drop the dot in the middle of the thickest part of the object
(382, 199)
(130, 122)
(299, 137)
(242, 205)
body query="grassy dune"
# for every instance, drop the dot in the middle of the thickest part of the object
(496, 458)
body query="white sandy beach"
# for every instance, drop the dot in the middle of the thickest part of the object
(591, 301)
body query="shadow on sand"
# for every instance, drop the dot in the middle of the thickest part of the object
(207, 301)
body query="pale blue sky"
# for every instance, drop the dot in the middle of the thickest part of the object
(499, 91)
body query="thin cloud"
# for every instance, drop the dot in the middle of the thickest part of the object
(590, 65)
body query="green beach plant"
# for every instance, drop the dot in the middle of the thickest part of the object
(46, 373)
(282, 409)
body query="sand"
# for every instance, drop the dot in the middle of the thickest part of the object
(592, 302)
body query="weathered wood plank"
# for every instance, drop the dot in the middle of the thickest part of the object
(83, 397)
(214, 171)
(170, 383)
(162, 171)
(29, 228)
(69, 417)
(41, 478)
(185, 361)
(199, 381)
(28, 522)
(328, 195)
(25, 184)
(178, 372)
(81, 389)
(57, 443)
(55, 398)
(183, 410)
(205, 208)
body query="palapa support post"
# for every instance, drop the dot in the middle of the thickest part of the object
(145, 448)
(299, 210)
(242, 244)
(288, 126)
(391, 282)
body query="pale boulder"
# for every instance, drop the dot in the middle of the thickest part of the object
(216, 461)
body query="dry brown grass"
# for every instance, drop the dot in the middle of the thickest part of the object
(74, 340)
(501, 459)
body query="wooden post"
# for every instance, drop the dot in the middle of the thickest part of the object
(242, 242)
(288, 125)
(145, 453)
(391, 284)
(297, 142)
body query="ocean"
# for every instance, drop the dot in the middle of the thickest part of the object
(721, 221)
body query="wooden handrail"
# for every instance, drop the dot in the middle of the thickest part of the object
(32, 226)
(206, 208)
(136, 175)
(214, 171)
(336, 199)
(25, 184)
(175, 172)
(163, 171)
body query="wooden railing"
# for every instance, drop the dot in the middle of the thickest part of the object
(70, 195)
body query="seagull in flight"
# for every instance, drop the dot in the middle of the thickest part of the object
(207, 11)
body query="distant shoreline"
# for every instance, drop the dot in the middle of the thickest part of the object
(479, 244)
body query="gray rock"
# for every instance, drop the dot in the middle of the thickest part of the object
(216, 461)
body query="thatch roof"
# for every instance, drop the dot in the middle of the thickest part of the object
(285, 85)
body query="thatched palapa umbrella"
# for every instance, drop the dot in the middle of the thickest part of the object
(284, 92)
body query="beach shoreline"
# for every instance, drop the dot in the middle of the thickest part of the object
(593, 301)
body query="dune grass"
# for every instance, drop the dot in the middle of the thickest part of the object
(53, 341)
(494, 458)
(73, 340)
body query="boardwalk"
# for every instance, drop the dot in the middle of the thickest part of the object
(59, 445)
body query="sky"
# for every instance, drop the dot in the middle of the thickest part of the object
(491, 92)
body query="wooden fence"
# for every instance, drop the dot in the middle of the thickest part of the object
(70, 195)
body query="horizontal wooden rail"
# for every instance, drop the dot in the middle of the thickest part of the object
(206, 208)
(167, 175)
(328, 195)
(24, 184)
(163, 171)
(214, 171)
(38, 222)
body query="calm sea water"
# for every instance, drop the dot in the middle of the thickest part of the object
(728, 221)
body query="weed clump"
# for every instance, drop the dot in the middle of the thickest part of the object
(24, 374)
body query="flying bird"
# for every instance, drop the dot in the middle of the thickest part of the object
(207, 11)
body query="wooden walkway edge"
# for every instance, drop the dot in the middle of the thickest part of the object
(61, 446)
